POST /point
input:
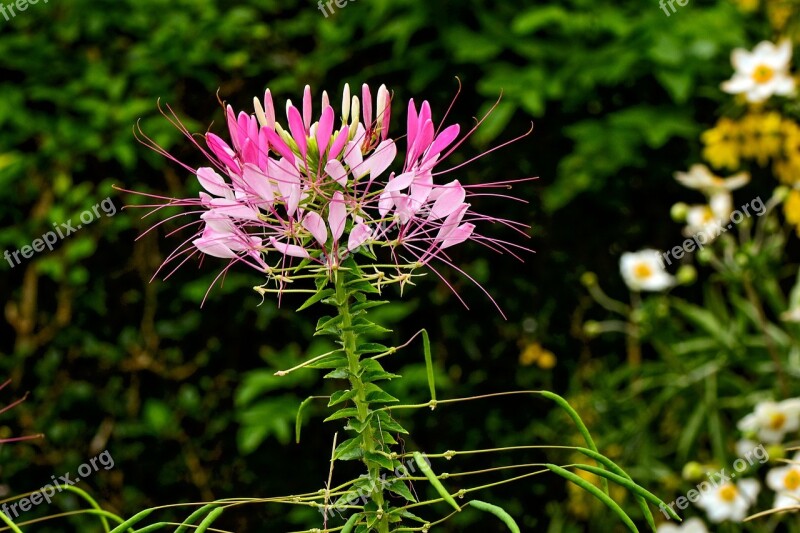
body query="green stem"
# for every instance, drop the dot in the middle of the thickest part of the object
(360, 400)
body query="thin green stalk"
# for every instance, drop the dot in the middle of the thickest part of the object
(348, 338)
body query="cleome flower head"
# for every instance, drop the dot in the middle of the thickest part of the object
(303, 195)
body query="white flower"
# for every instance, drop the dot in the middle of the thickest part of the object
(709, 218)
(762, 72)
(692, 525)
(771, 420)
(729, 501)
(701, 178)
(785, 481)
(644, 271)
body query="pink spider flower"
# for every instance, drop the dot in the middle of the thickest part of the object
(313, 191)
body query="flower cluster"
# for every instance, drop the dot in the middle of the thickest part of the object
(308, 193)
(759, 137)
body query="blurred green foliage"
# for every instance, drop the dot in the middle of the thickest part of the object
(182, 394)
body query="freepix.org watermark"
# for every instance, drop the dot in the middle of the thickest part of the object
(717, 479)
(671, 3)
(363, 492)
(46, 493)
(711, 232)
(62, 231)
(341, 4)
(12, 8)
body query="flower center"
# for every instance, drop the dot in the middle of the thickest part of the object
(762, 74)
(708, 215)
(642, 271)
(777, 420)
(792, 480)
(728, 493)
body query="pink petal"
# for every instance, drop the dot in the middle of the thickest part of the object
(222, 150)
(278, 145)
(307, 107)
(337, 214)
(358, 236)
(450, 197)
(324, 130)
(366, 106)
(291, 250)
(442, 141)
(269, 109)
(316, 226)
(411, 126)
(233, 126)
(336, 171)
(381, 158)
(213, 182)
(297, 130)
(339, 142)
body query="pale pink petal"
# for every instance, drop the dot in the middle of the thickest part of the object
(213, 246)
(353, 157)
(421, 189)
(358, 236)
(291, 250)
(450, 197)
(218, 222)
(458, 235)
(381, 158)
(213, 182)
(451, 222)
(234, 209)
(400, 182)
(336, 171)
(316, 226)
(258, 183)
(337, 214)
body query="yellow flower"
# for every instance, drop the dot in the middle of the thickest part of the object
(788, 170)
(761, 136)
(722, 146)
(791, 209)
(534, 353)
